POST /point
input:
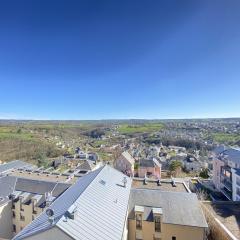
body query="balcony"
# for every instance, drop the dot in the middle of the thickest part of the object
(227, 193)
(227, 183)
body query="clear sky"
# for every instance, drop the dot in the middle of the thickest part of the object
(119, 59)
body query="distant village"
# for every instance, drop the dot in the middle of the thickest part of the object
(121, 186)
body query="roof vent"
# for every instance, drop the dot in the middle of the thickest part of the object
(145, 181)
(50, 214)
(173, 183)
(70, 212)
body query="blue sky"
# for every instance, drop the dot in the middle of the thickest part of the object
(119, 59)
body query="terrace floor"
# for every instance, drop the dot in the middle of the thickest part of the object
(165, 186)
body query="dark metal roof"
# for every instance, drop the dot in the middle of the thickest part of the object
(7, 184)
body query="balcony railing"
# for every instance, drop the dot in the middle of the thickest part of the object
(227, 183)
(227, 193)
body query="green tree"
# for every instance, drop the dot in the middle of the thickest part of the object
(19, 131)
(175, 165)
(204, 173)
(41, 159)
(175, 168)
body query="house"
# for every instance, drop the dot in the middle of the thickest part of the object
(192, 164)
(93, 156)
(125, 163)
(149, 168)
(82, 155)
(95, 207)
(226, 172)
(155, 214)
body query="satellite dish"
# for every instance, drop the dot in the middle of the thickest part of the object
(49, 212)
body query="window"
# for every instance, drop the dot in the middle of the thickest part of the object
(138, 221)
(157, 224)
(14, 228)
(174, 238)
(21, 206)
(22, 218)
(13, 214)
(33, 209)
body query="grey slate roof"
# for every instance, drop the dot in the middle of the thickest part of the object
(6, 188)
(146, 163)
(13, 165)
(97, 196)
(178, 208)
(233, 154)
(87, 165)
(237, 171)
(9, 184)
(219, 149)
(34, 186)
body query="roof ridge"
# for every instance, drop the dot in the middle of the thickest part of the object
(54, 187)
(14, 187)
(88, 184)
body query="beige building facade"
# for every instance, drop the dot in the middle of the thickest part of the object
(166, 232)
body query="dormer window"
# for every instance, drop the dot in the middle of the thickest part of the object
(139, 210)
(157, 217)
(21, 205)
(157, 221)
(139, 221)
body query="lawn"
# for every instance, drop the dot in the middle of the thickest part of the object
(98, 143)
(140, 128)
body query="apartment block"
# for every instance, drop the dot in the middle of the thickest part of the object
(23, 200)
(226, 172)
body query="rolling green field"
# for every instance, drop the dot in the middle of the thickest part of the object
(226, 138)
(143, 128)
(11, 132)
(19, 142)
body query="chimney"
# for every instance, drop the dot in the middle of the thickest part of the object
(124, 181)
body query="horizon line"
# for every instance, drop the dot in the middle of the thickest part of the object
(117, 119)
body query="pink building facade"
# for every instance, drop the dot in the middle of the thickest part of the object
(217, 164)
(149, 168)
